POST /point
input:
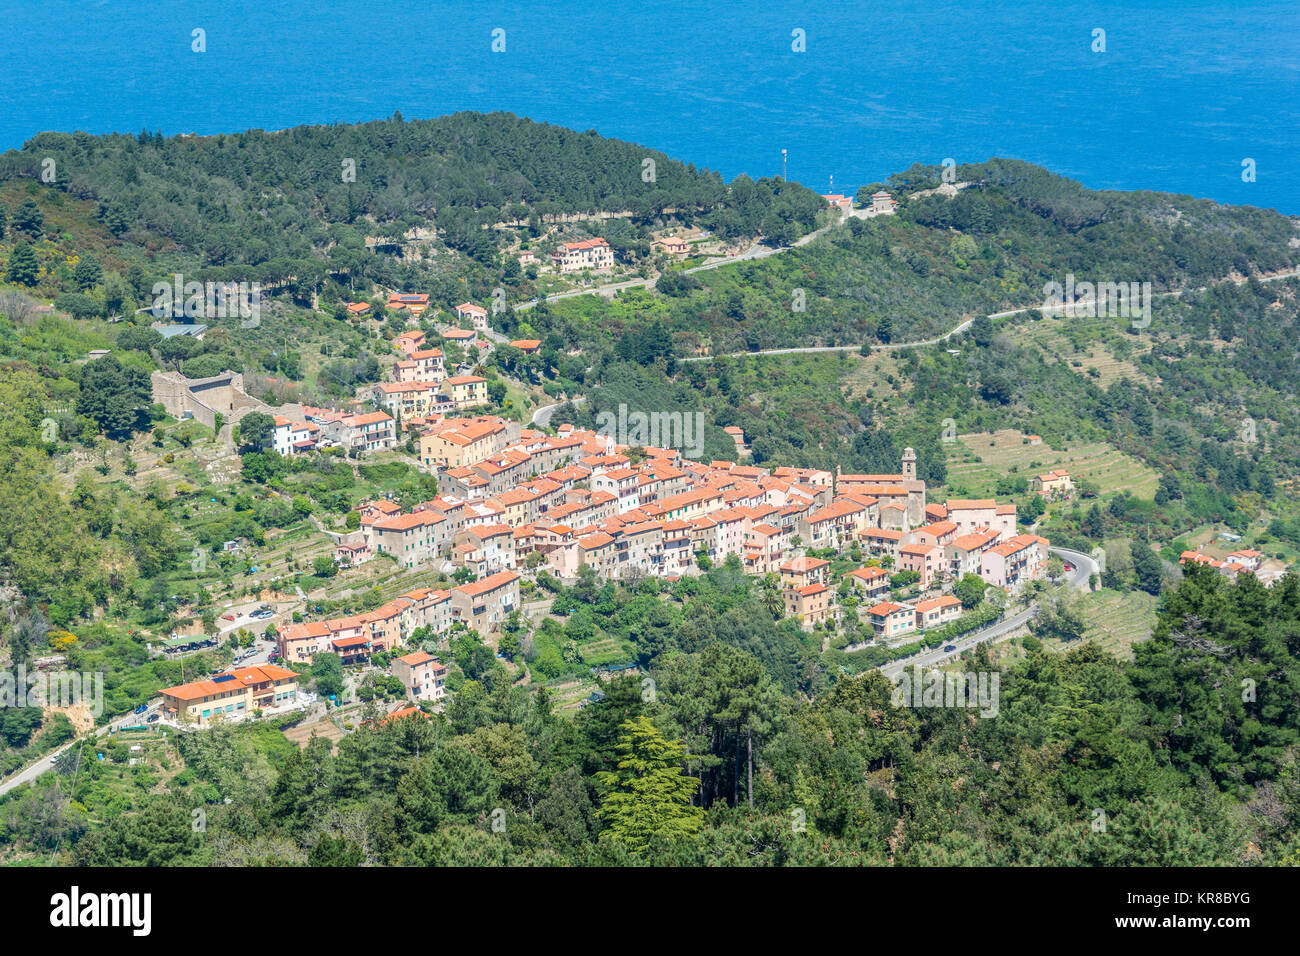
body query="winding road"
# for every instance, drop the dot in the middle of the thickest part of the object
(542, 417)
(1084, 566)
(46, 762)
(963, 326)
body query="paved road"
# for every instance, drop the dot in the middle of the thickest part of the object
(757, 250)
(1084, 566)
(46, 763)
(995, 632)
(257, 654)
(542, 417)
(960, 327)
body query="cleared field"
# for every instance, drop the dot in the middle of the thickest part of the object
(323, 728)
(606, 650)
(1007, 452)
(1116, 621)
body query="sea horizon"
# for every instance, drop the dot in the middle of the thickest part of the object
(1176, 99)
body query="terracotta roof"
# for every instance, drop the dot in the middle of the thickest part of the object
(886, 608)
(930, 604)
(490, 583)
(417, 658)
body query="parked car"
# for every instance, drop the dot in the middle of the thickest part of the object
(951, 647)
(142, 708)
(152, 718)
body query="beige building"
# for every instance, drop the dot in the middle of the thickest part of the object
(672, 245)
(460, 447)
(467, 391)
(802, 571)
(422, 674)
(475, 314)
(872, 582)
(977, 514)
(889, 619)
(412, 539)
(935, 612)
(407, 399)
(230, 695)
(810, 605)
(592, 254)
(203, 399)
(1054, 484)
(483, 605)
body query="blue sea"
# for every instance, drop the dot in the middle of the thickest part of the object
(1184, 92)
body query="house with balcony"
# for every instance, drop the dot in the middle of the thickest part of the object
(801, 571)
(483, 605)
(810, 605)
(368, 432)
(467, 391)
(294, 437)
(890, 620)
(871, 582)
(965, 554)
(413, 539)
(230, 695)
(476, 315)
(1021, 558)
(407, 400)
(422, 674)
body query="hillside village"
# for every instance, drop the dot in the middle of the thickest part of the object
(527, 501)
(516, 501)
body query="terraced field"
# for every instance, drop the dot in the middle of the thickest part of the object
(1007, 452)
(604, 651)
(1085, 343)
(567, 695)
(1117, 620)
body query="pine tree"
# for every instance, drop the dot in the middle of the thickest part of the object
(647, 797)
(23, 267)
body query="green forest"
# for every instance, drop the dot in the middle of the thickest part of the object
(1184, 756)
